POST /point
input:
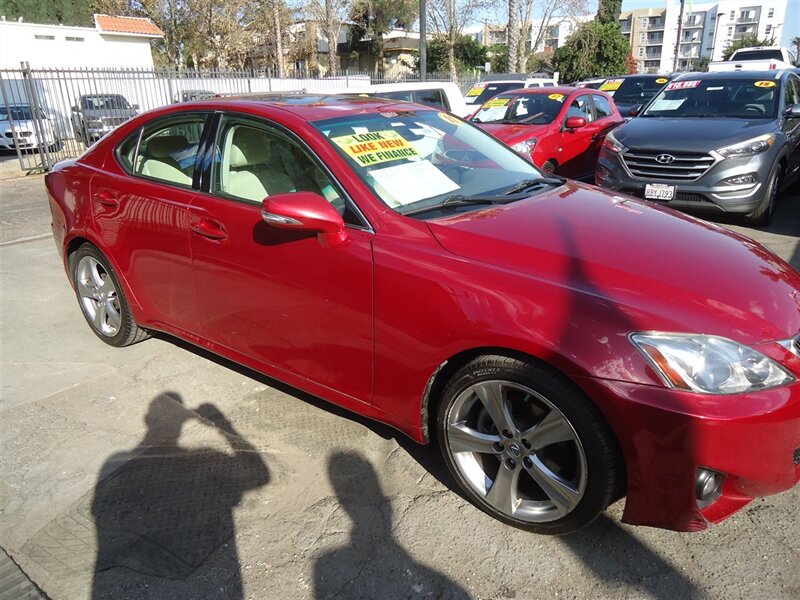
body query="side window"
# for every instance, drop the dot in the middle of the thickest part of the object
(581, 107)
(602, 108)
(433, 98)
(791, 91)
(404, 96)
(258, 161)
(549, 84)
(167, 152)
(127, 150)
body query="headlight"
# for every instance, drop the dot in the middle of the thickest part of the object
(709, 364)
(756, 145)
(612, 144)
(525, 148)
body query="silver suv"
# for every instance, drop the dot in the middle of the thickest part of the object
(710, 142)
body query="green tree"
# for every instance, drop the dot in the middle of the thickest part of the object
(49, 12)
(608, 11)
(375, 18)
(469, 54)
(498, 57)
(746, 42)
(796, 44)
(700, 64)
(595, 49)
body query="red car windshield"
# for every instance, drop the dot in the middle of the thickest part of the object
(533, 109)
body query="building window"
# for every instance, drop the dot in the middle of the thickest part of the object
(771, 13)
(768, 30)
(641, 51)
(45, 37)
(642, 37)
(74, 39)
(733, 15)
(644, 22)
(730, 31)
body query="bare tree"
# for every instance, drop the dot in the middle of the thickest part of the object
(536, 18)
(449, 18)
(512, 35)
(332, 14)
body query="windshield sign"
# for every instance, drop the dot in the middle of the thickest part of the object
(419, 160)
(533, 109)
(732, 98)
(481, 92)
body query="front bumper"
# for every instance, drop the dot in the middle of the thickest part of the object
(665, 435)
(25, 141)
(709, 193)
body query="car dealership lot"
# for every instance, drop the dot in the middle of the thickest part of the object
(326, 504)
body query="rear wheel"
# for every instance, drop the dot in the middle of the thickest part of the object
(526, 445)
(102, 300)
(762, 215)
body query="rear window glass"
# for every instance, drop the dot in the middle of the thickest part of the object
(481, 92)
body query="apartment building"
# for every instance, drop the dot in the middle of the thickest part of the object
(558, 30)
(706, 30)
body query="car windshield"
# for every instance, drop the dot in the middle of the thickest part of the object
(415, 160)
(18, 113)
(738, 98)
(633, 90)
(109, 102)
(533, 109)
(481, 92)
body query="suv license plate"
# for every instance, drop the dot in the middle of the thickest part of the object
(659, 191)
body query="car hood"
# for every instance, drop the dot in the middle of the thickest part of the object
(689, 134)
(511, 134)
(666, 270)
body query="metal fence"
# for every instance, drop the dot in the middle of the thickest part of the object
(47, 115)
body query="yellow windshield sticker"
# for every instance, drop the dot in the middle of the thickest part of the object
(447, 118)
(611, 85)
(662, 80)
(764, 84)
(375, 147)
(476, 89)
(495, 102)
(558, 97)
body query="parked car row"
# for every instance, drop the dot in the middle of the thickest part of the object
(563, 344)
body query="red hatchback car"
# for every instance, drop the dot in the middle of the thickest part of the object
(560, 129)
(563, 345)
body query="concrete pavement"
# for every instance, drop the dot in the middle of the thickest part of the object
(160, 471)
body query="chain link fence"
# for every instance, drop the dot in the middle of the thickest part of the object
(49, 115)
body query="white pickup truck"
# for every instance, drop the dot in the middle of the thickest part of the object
(759, 58)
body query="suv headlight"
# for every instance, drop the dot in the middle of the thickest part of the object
(709, 364)
(612, 144)
(753, 146)
(525, 147)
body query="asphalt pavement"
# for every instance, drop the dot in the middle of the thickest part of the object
(161, 471)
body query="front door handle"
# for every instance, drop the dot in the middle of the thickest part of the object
(209, 228)
(106, 198)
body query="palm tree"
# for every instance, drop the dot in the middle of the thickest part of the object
(796, 44)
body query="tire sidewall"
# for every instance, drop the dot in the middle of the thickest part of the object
(600, 478)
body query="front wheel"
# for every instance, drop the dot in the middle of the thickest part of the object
(527, 446)
(102, 300)
(762, 215)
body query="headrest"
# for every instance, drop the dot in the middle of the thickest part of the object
(165, 146)
(249, 147)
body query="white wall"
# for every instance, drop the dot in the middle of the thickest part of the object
(18, 42)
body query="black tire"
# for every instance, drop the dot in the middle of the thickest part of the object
(762, 215)
(589, 460)
(103, 305)
(549, 167)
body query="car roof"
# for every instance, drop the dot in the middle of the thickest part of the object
(776, 75)
(503, 77)
(642, 76)
(315, 107)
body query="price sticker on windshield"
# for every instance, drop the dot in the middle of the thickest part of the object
(476, 89)
(557, 97)
(611, 85)
(662, 80)
(764, 84)
(375, 147)
(447, 118)
(495, 102)
(682, 85)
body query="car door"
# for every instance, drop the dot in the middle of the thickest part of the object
(141, 214)
(605, 119)
(279, 296)
(791, 126)
(575, 143)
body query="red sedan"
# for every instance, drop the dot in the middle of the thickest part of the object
(560, 129)
(562, 344)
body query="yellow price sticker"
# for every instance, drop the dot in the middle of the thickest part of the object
(611, 85)
(476, 90)
(448, 118)
(764, 84)
(495, 102)
(559, 97)
(375, 147)
(662, 80)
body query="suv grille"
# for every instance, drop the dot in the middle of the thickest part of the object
(114, 120)
(683, 167)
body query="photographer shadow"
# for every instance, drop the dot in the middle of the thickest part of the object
(162, 510)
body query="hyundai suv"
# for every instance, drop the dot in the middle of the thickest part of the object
(713, 142)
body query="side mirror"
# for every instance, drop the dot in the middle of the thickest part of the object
(575, 123)
(635, 110)
(305, 211)
(793, 111)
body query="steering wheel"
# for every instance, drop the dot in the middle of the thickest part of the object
(757, 108)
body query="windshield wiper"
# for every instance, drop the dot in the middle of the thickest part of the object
(460, 200)
(526, 184)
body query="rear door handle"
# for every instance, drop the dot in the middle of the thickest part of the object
(106, 198)
(209, 228)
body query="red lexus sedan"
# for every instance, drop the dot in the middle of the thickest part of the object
(560, 129)
(562, 344)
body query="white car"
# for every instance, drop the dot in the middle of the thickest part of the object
(443, 95)
(502, 82)
(17, 127)
(757, 58)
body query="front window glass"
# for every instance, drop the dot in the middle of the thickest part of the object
(481, 92)
(738, 98)
(534, 109)
(638, 90)
(417, 159)
(106, 102)
(581, 107)
(602, 107)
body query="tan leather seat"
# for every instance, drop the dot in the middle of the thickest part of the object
(158, 162)
(250, 172)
